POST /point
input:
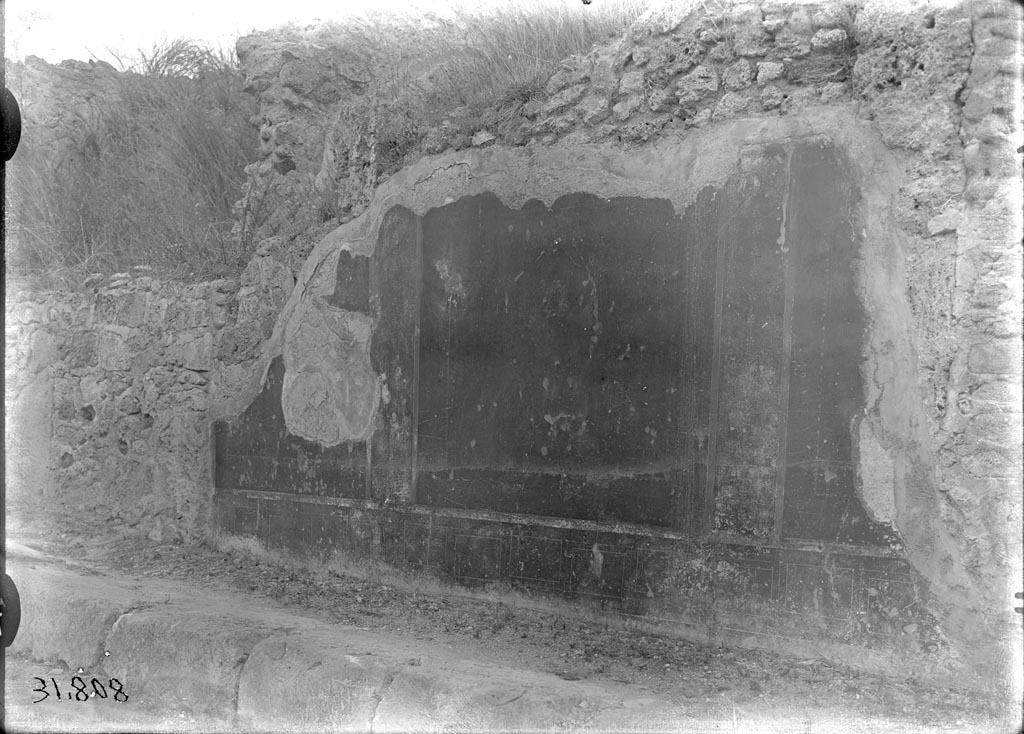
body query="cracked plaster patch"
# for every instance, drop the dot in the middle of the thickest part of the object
(877, 476)
(330, 391)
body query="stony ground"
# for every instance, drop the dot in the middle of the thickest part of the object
(714, 682)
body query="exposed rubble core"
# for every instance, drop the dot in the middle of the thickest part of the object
(767, 380)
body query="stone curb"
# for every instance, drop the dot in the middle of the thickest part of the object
(263, 669)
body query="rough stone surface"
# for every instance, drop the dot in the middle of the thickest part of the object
(152, 647)
(564, 98)
(829, 39)
(631, 83)
(624, 110)
(769, 70)
(593, 109)
(737, 75)
(699, 83)
(109, 393)
(771, 97)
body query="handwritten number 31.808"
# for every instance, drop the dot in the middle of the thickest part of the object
(81, 693)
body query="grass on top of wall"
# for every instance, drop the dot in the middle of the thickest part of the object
(152, 177)
(512, 48)
(148, 176)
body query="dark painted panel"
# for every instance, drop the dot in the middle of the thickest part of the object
(744, 499)
(255, 451)
(646, 499)
(750, 331)
(560, 339)
(475, 556)
(701, 233)
(352, 283)
(525, 405)
(835, 596)
(394, 279)
(281, 525)
(319, 476)
(825, 390)
(408, 541)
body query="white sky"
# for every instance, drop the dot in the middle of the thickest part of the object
(82, 29)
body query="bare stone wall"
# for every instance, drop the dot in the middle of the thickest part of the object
(107, 402)
(111, 389)
(979, 423)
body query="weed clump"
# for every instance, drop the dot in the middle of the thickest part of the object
(147, 176)
(156, 175)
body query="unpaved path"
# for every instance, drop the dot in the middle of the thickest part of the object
(713, 683)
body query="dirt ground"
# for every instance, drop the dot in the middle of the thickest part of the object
(714, 682)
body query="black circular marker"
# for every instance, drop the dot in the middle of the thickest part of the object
(10, 611)
(10, 123)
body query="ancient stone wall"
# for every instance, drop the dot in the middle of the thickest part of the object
(111, 388)
(107, 402)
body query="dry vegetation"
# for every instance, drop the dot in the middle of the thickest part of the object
(510, 51)
(153, 180)
(149, 179)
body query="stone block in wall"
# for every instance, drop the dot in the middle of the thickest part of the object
(641, 56)
(701, 118)
(771, 97)
(774, 19)
(737, 75)
(748, 35)
(905, 120)
(242, 342)
(998, 431)
(114, 353)
(792, 45)
(592, 109)
(92, 389)
(79, 351)
(730, 105)
(700, 83)
(769, 70)
(721, 53)
(70, 314)
(28, 313)
(40, 352)
(833, 91)
(632, 82)
(562, 123)
(120, 306)
(129, 404)
(991, 394)
(563, 99)
(831, 39)
(564, 78)
(991, 461)
(185, 314)
(624, 110)
(944, 223)
(662, 100)
(197, 354)
(995, 357)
